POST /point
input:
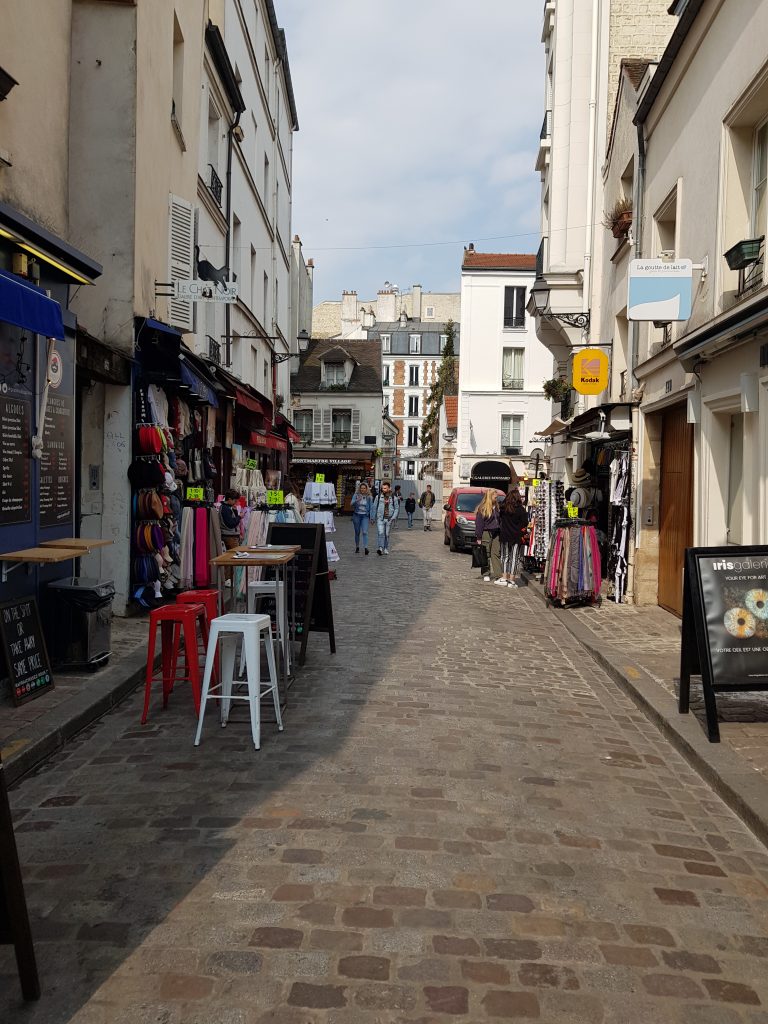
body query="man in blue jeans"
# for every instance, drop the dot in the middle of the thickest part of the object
(383, 514)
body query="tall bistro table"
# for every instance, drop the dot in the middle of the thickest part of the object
(278, 557)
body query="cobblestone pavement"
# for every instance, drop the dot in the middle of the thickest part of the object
(127, 635)
(463, 820)
(651, 637)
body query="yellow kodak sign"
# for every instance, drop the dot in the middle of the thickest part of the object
(590, 371)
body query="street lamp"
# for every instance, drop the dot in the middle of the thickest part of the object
(540, 302)
(303, 340)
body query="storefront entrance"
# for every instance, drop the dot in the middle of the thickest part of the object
(492, 474)
(675, 506)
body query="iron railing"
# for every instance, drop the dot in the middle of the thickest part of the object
(214, 184)
(512, 383)
(305, 436)
(540, 257)
(622, 385)
(330, 385)
(341, 437)
(567, 406)
(751, 277)
(546, 128)
(214, 350)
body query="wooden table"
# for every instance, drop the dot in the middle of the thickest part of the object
(36, 556)
(84, 544)
(278, 558)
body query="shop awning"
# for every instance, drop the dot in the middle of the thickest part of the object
(557, 426)
(283, 424)
(258, 440)
(27, 306)
(250, 402)
(200, 388)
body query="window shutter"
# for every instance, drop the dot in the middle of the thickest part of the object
(519, 307)
(517, 431)
(509, 306)
(181, 221)
(355, 424)
(317, 430)
(505, 442)
(326, 435)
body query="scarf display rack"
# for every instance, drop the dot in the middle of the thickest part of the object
(572, 573)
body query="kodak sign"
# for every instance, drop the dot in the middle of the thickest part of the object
(590, 371)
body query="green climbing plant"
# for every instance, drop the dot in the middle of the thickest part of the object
(447, 383)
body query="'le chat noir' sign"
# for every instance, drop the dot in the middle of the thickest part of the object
(725, 624)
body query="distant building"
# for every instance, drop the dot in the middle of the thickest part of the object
(351, 315)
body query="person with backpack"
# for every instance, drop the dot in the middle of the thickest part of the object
(426, 504)
(410, 508)
(361, 513)
(383, 513)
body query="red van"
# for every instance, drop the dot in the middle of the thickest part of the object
(460, 516)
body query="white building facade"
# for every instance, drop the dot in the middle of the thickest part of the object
(502, 369)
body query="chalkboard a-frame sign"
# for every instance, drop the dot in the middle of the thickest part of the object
(725, 625)
(24, 650)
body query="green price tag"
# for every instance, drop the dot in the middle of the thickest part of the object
(195, 494)
(319, 478)
(275, 498)
(251, 464)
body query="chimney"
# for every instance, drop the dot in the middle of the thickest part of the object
(416, 302)
(349, 313)
(386, 308)
(369, 319)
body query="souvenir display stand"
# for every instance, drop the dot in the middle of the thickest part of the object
(572, 572)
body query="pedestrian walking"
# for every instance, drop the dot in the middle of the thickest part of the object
(230, 520)
(487, 526)
(410, 508)
(426, 504)
(361, 516)
(383, 514)
(513, 523)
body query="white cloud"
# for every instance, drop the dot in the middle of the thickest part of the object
(418, 123)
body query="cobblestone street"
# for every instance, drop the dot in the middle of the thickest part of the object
(463, 820)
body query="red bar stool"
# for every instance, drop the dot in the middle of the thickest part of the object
(178, 623)
(209, 599)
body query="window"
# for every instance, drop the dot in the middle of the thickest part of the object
(277, 301)
(214, 137)
(178, 72)
(413, 405)
(513, 369)
(511, 432)
(665, 223)
(410, 468)
(302, 421)
(237, 235)
(265, 297)
(514, 306)
(341, 424)
(267, 72)
(334, 373)
(413, 437)
(254, 278)
(759, 181)
(735, 481)
(385, 379)
(429, 313)
(266, 181)
(386, 341)
(267, 381)
(415, 344)
(413, 376)
(443, 342)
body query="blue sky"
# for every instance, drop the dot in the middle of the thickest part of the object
(419, 123)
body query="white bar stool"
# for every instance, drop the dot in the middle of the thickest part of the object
(276, 589)
(252, 629)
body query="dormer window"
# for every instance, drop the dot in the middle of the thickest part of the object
(334, 373)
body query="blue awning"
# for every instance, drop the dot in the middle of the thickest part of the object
(28, 307)
(158, 325)
(197, 385)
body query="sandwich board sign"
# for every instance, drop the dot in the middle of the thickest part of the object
(660, 290)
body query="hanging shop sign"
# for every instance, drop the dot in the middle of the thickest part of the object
(15, 463)
(590, 371)
(725, 625)
(660, 290)
(26, 656)
(206, 291)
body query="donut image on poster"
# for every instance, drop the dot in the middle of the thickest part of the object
(740, 623)
(756, 602)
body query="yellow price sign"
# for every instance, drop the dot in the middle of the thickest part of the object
(573, 512)
(536, 482)
(275, 498)
(319, 478)
(195, 494)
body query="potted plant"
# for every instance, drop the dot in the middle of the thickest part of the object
(279, 402)
(557, 389)
(619, 217)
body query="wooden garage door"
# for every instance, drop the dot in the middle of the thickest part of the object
(676, 506)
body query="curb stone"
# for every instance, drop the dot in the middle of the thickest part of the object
(741, 787)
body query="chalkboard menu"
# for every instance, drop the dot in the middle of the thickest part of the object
(15, 460)
(725, 625)
(57, 465)
(24, 648)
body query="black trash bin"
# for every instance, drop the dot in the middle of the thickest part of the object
(79, 622)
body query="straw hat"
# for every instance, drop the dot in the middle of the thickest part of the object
(581, 476)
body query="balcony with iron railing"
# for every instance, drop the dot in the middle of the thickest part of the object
(215, 185)
(512, 383)
(214, 350)
(342, 437)
(545, 142)
(305, 437)
(540, 256)
(753, 275)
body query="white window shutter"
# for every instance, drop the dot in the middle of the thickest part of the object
(326, 425)
(355, 424)
(181, 255)
(317, 430)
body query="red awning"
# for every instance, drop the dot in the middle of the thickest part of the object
(268, 441)
(293, 435)
(248, 401)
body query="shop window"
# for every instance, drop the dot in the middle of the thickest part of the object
(302, 421)
(386, 342)
(413, 405)
(413, 376)
(513, 369)
(514, 307)
(413, 437)
(512, 434)
(415, 344)
(734, 524)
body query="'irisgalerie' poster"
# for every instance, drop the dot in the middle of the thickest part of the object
(734, 590)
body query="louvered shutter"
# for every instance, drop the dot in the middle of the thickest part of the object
(317, 430)
(326, 436)
(181, 221)
(355, 424)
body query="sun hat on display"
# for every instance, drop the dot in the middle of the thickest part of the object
(581, 476)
